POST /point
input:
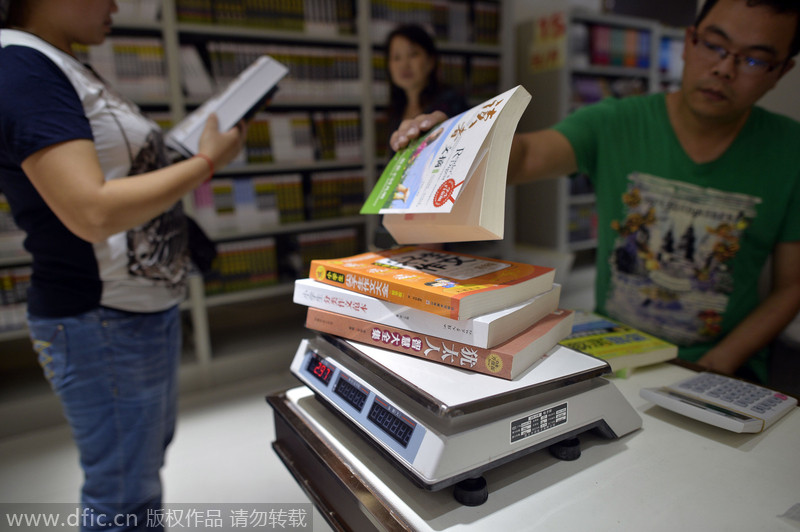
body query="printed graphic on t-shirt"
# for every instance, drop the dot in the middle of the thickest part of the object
(671, 270)
(157, 249)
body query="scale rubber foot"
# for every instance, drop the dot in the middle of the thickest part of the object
(567, 450)
(471, 491)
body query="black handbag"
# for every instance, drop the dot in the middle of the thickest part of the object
(202, 249)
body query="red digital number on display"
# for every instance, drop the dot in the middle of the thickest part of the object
(318, 368)
(322, 371)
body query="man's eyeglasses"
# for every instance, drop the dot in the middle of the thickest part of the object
(713, 52)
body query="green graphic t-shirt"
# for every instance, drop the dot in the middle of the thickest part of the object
(681, 245)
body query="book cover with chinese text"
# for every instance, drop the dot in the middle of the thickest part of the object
(486, 330)
(507, 360)
(455, 285)
(449, 184)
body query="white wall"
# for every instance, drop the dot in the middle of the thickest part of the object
(783, 98)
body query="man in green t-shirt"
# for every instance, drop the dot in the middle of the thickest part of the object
(696, 189)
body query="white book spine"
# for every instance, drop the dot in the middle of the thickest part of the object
(476, 331)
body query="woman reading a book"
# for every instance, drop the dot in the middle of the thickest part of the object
(88, 180)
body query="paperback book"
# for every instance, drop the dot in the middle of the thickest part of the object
(507, 360)
(449, 185)
(486, 330)
(446, 283)
(622, 346)
(240, 99)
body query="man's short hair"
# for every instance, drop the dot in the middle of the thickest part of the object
(788, 7)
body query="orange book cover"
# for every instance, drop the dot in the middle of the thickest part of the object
(506, 360)
(450, 284)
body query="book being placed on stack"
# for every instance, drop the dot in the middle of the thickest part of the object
(449, 184)
(622, 346)
(492, 316)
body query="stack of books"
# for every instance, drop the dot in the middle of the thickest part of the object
(492, 316)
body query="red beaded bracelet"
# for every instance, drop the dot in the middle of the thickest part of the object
(207, 159)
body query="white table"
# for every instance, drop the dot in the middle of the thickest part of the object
(673, 474)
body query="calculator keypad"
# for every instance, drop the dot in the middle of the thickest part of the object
(726, 390)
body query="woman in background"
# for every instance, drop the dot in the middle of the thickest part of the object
(413, 64)
(87, 178)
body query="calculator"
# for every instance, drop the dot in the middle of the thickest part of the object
(723, 401)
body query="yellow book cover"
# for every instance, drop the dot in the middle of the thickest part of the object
(622, 346)
(454, 285)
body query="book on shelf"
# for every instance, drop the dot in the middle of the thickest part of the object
(304, 247)
(243, 265)
(335, 194)
(447, 283)
(315, 70)
(136, 66)
(449, 184)
(506, 360)
(291, 137)
(227, 205)
(195, 79)
(484, 76)
(486, 330)
(240, 99)
(14, 284)
(138, 10)
(313, 17)
(622, 346)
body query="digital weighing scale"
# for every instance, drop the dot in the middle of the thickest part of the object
(443, 426)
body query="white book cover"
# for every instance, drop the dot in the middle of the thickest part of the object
(242, 97)
(487, 330)
(449, 185)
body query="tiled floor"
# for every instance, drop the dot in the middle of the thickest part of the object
(221, 454)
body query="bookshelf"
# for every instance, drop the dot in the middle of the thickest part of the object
(575, 57)
(319, 141)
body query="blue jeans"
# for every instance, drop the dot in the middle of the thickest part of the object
(115, 373)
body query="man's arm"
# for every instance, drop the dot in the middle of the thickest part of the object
(540, 155)
(767, 320)
(536, 155)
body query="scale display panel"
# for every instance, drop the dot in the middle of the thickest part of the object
(391, 421)
(383, 420)
(353, 394)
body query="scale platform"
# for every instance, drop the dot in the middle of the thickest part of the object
(443, 426)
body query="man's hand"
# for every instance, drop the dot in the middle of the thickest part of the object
(413, 127)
